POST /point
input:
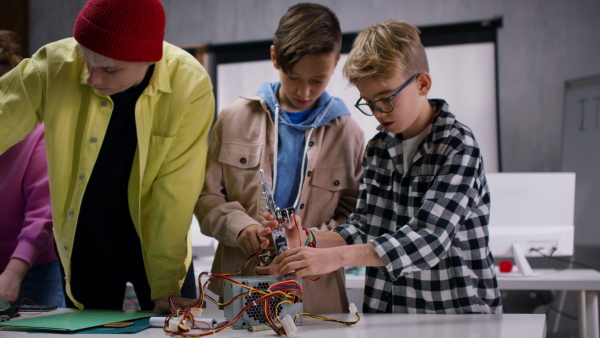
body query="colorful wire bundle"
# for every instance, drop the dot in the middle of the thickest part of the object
(317, 317)
(287, 290)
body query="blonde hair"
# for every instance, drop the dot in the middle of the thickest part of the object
(384, 50)
(94, 59)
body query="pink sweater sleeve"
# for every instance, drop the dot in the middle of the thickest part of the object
(26, 184)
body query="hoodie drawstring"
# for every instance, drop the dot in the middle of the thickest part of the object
(302, 174)
(304, 156)
(276, 142)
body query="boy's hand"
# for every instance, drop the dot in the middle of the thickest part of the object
(9, 287)
(269, 221)
(161, 305)
(305, 261)
(252, 240)
(294, 231)
(270, 269)
(11, 278)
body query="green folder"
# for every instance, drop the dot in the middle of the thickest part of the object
(76, 320)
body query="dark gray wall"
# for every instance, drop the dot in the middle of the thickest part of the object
(542, 44)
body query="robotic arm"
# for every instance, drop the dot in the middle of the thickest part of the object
(283, 217)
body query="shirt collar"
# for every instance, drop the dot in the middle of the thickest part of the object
(442, 119)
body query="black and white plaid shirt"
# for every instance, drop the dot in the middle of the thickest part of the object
(428, 222)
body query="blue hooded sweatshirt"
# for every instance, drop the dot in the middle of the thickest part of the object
(291, 152)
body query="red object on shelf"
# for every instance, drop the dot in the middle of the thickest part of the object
(505, 266)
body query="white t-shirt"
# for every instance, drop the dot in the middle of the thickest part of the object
(410, 146)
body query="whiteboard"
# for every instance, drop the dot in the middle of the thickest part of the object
(464, 75)
(580, 154)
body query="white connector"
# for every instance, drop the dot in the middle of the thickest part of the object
(197, 312)
(289, 326)
(174, 324)
(353, 309)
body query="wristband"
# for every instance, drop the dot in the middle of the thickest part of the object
(311, 239)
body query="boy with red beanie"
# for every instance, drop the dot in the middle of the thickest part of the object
(126, 118)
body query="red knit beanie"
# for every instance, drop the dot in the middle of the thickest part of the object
(124, 30)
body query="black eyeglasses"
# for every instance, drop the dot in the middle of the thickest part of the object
(383, 105)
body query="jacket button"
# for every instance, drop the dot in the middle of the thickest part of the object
(104, 103)
(309, 174)
(302, 206)
(71, 213)
(243, 160)
(94, 139)
(336, 183)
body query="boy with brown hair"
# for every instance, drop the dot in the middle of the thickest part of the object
(420, 226)
(305, 140)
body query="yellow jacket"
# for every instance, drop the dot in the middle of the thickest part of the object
(173, 117)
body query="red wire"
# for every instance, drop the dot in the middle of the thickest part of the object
(29, 313)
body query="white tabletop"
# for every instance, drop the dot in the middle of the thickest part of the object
(551, 279)
(546, 279)
(376, 325)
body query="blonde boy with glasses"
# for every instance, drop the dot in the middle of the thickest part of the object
(421, 224)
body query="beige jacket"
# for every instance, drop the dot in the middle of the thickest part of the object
(242, 142)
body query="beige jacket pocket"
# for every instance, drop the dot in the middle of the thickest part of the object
(327, 186)
(242, 156)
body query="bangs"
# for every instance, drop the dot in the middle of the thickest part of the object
(94, 59)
